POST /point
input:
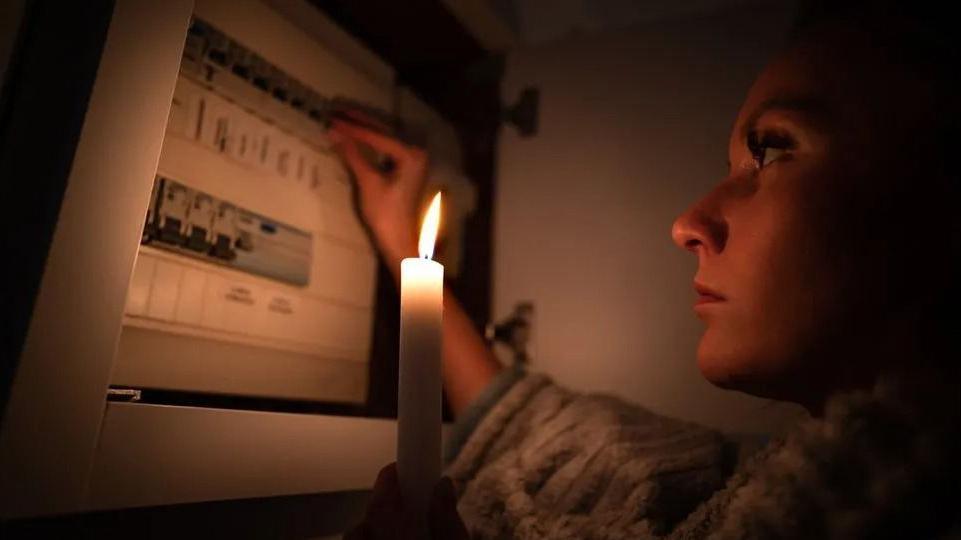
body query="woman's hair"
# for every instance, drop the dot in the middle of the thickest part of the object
(920, 37)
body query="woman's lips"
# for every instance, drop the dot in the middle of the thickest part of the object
(706, 295)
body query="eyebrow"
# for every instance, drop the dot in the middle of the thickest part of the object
(815, 107)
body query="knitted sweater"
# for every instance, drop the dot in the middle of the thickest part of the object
(545, 462)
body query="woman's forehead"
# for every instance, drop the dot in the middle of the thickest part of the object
(794, 81)
(835, 77)
(783, 88)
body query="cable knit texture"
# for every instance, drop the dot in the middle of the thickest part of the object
(546, 462)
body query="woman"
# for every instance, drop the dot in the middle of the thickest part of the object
(827, 264)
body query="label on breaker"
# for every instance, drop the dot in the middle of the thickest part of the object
(193, 223)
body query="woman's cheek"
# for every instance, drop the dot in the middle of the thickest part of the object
(774, 269)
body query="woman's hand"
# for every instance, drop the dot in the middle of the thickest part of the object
(389, 204)
(385, 518)
(388, 201)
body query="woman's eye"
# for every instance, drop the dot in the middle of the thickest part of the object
(767, 148)
(767, 155)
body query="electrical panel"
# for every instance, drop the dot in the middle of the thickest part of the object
(255, 276)
(192, 223)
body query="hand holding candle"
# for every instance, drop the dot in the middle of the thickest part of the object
(419, 380)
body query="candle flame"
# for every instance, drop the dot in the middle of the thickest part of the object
(428, 231)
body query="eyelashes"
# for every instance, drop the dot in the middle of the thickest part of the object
(768, 147)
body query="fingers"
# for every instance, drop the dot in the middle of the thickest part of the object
(386, 519)
(378, 141)
(368, 178)
(384, 509)
(386, 495)
(387, 478)
(444, 520)
(362, 118)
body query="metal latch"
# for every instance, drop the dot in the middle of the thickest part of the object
(129, 395)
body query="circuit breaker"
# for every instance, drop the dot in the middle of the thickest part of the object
(254, 276)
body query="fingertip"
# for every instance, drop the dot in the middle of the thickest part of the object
(387, 477)
(343, 127)
(351, 153)
(344, 130)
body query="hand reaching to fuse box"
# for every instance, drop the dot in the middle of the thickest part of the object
(389, 201)
(389, 204)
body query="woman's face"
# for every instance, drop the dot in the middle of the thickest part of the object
(800, 259)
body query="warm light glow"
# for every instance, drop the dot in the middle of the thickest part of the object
(428, 231)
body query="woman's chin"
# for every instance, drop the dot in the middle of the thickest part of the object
(722, 365)
(715, 372)
(748, 371)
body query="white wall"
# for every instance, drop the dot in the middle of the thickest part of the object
(633, 128)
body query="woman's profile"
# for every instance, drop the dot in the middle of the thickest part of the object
(828, 259)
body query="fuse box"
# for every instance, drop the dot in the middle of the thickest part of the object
(254, 276)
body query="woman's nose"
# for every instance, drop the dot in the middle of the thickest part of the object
(700, 228)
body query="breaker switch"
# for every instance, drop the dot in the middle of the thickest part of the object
(197, 240)
(200, 220)
(172, 211)
(170, 231)
(222, 248)
(193, 223)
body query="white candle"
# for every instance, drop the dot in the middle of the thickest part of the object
(419, 377)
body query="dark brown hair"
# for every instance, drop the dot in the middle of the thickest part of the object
(920, 37)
